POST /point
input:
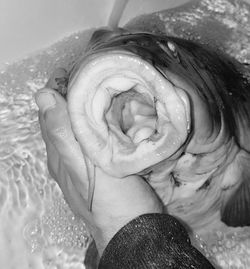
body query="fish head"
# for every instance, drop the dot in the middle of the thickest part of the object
(166, 79)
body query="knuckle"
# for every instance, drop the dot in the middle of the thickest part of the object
(55, 114)
(58, 134)
(56, 125)
(61, 132)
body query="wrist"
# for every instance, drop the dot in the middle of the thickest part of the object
(108, 226)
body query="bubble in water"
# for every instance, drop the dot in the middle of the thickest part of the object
(63, 228)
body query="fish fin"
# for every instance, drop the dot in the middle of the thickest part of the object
(236, 211)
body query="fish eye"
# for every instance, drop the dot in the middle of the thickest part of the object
(171, 47)
(168, 48)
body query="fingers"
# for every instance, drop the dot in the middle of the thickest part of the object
(47, 99)
(58, 135)
(52, 154)
(55, 121)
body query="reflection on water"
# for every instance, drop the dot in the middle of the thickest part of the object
(37, 229)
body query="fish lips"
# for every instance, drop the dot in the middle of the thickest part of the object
(100, 78)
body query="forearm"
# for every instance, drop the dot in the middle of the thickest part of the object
(152, 241)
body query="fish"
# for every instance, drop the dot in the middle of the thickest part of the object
(171, 110)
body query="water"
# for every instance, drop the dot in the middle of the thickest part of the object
(37, 228)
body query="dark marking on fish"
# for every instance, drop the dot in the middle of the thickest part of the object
(205, 185)
(175, 180)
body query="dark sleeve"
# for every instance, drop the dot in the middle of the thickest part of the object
(152, 241)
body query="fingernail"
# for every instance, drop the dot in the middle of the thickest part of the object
(45, 101)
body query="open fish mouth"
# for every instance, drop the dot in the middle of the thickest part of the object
(126, 115)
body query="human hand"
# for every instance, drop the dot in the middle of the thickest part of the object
(115, 202)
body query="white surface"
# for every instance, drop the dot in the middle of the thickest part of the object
(28, 25)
